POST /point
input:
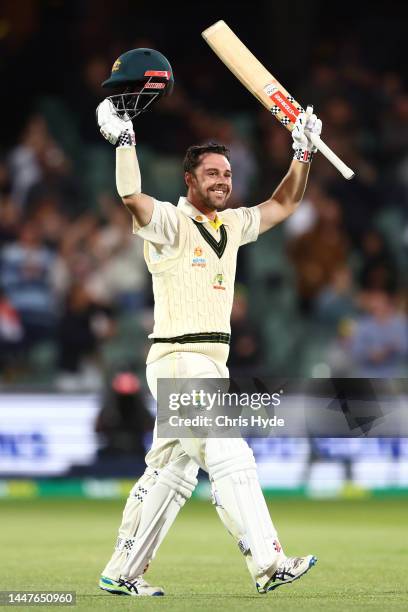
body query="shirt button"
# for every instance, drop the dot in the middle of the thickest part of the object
(198, 218)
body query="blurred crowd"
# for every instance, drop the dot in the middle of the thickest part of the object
(72, 276)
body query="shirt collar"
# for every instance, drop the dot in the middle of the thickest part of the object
(191, 211)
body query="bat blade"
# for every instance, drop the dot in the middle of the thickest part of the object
(262, 84)
(252, 74)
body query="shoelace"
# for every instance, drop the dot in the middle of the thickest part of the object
(131, 585)
(285, 568)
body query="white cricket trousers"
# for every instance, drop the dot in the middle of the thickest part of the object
(179, 365)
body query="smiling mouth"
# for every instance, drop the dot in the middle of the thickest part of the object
(219, 192)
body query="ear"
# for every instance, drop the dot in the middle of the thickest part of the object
(188, 178)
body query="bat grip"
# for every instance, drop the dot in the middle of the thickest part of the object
(331, 156)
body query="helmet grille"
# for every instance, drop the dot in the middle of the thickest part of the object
(136, 99)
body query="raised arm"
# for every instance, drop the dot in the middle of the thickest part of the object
(120, 132)
(289, 193)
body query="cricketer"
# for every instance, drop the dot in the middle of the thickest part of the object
(191, 331)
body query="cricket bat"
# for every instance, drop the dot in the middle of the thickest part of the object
(263, 85)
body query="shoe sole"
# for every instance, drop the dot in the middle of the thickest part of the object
(312, 563)
(114, 591)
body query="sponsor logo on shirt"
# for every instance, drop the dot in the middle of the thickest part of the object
(218, 282)
(198, 260)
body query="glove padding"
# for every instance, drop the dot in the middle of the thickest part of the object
(112, 127)
(306, 123)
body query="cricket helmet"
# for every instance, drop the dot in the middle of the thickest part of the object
(139, 77)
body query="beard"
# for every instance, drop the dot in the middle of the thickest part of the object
(212, 201)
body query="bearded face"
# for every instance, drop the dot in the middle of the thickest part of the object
(210, 184)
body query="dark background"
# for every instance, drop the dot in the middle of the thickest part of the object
(44, 44)
(306, 291)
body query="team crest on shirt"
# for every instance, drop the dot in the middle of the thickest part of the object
(218, 282)
(198, 260)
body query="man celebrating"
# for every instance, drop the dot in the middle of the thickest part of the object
(192, 330)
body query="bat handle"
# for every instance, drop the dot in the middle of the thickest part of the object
(331, 156)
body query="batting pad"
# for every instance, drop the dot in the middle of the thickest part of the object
(232, 467)
(130, 523)
(159, 510)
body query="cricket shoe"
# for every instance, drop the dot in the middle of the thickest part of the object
(136, 588)
(289, 570)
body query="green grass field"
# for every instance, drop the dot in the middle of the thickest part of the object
(362, 550)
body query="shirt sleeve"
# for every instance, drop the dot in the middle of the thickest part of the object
(250, 219)
(163, 227)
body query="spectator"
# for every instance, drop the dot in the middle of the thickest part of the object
(24, 159)
(319, 252)
(11, 333)
(26, 269)
(379, 345)
(84, 325)
(41, 170)
(120, 274)
(9, 218)
(335, 301)
(124, 419)
(305, 217)
(379, 270)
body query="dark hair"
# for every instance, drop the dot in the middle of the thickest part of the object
(194, 153)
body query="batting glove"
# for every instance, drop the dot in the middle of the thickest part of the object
(115, 129)
(306, 123)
